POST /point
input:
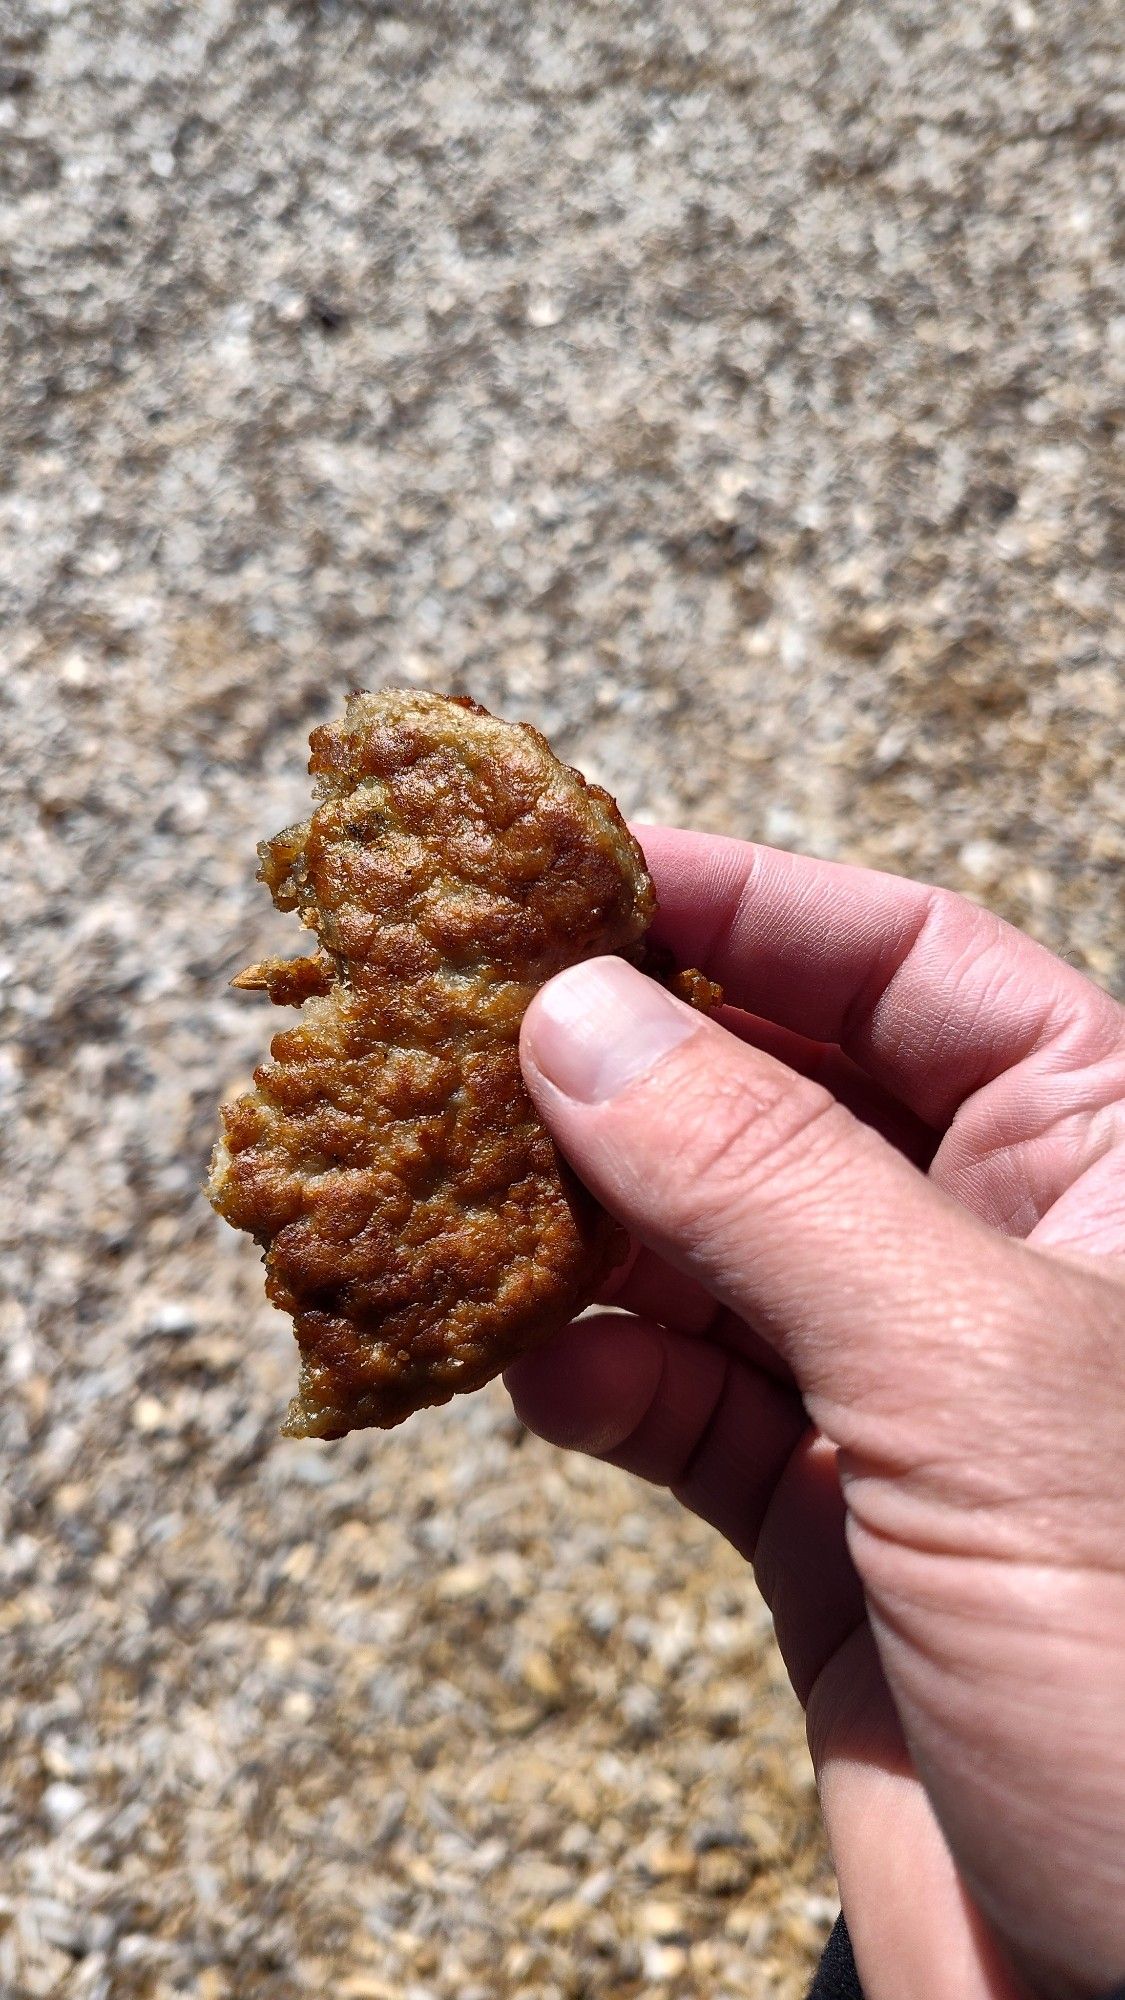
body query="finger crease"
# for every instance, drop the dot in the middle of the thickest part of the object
(873, 990)
(856, 1626)
(720, 943)
(779, 1481)
(704, 1437)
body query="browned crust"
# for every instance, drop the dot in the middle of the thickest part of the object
(416, 1218)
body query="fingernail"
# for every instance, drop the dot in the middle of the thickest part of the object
(600, 1025)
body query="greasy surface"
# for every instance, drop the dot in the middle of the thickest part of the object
(419, 1224)
(734, 389)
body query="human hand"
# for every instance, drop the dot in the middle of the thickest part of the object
(876, 1335)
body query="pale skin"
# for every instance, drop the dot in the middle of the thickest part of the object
(874, 1331)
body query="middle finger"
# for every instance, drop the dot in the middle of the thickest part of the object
(653, 1289)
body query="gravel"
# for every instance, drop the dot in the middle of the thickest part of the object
(734, 390)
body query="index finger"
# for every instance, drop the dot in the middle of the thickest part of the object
(931, 995)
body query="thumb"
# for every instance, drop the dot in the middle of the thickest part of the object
(892, 1305)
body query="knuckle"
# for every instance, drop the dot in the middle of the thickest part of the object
(749, 1138)
(981, 964)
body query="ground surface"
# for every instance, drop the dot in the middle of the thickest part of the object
(734, 389)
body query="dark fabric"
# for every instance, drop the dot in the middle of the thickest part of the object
(836, 1976)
